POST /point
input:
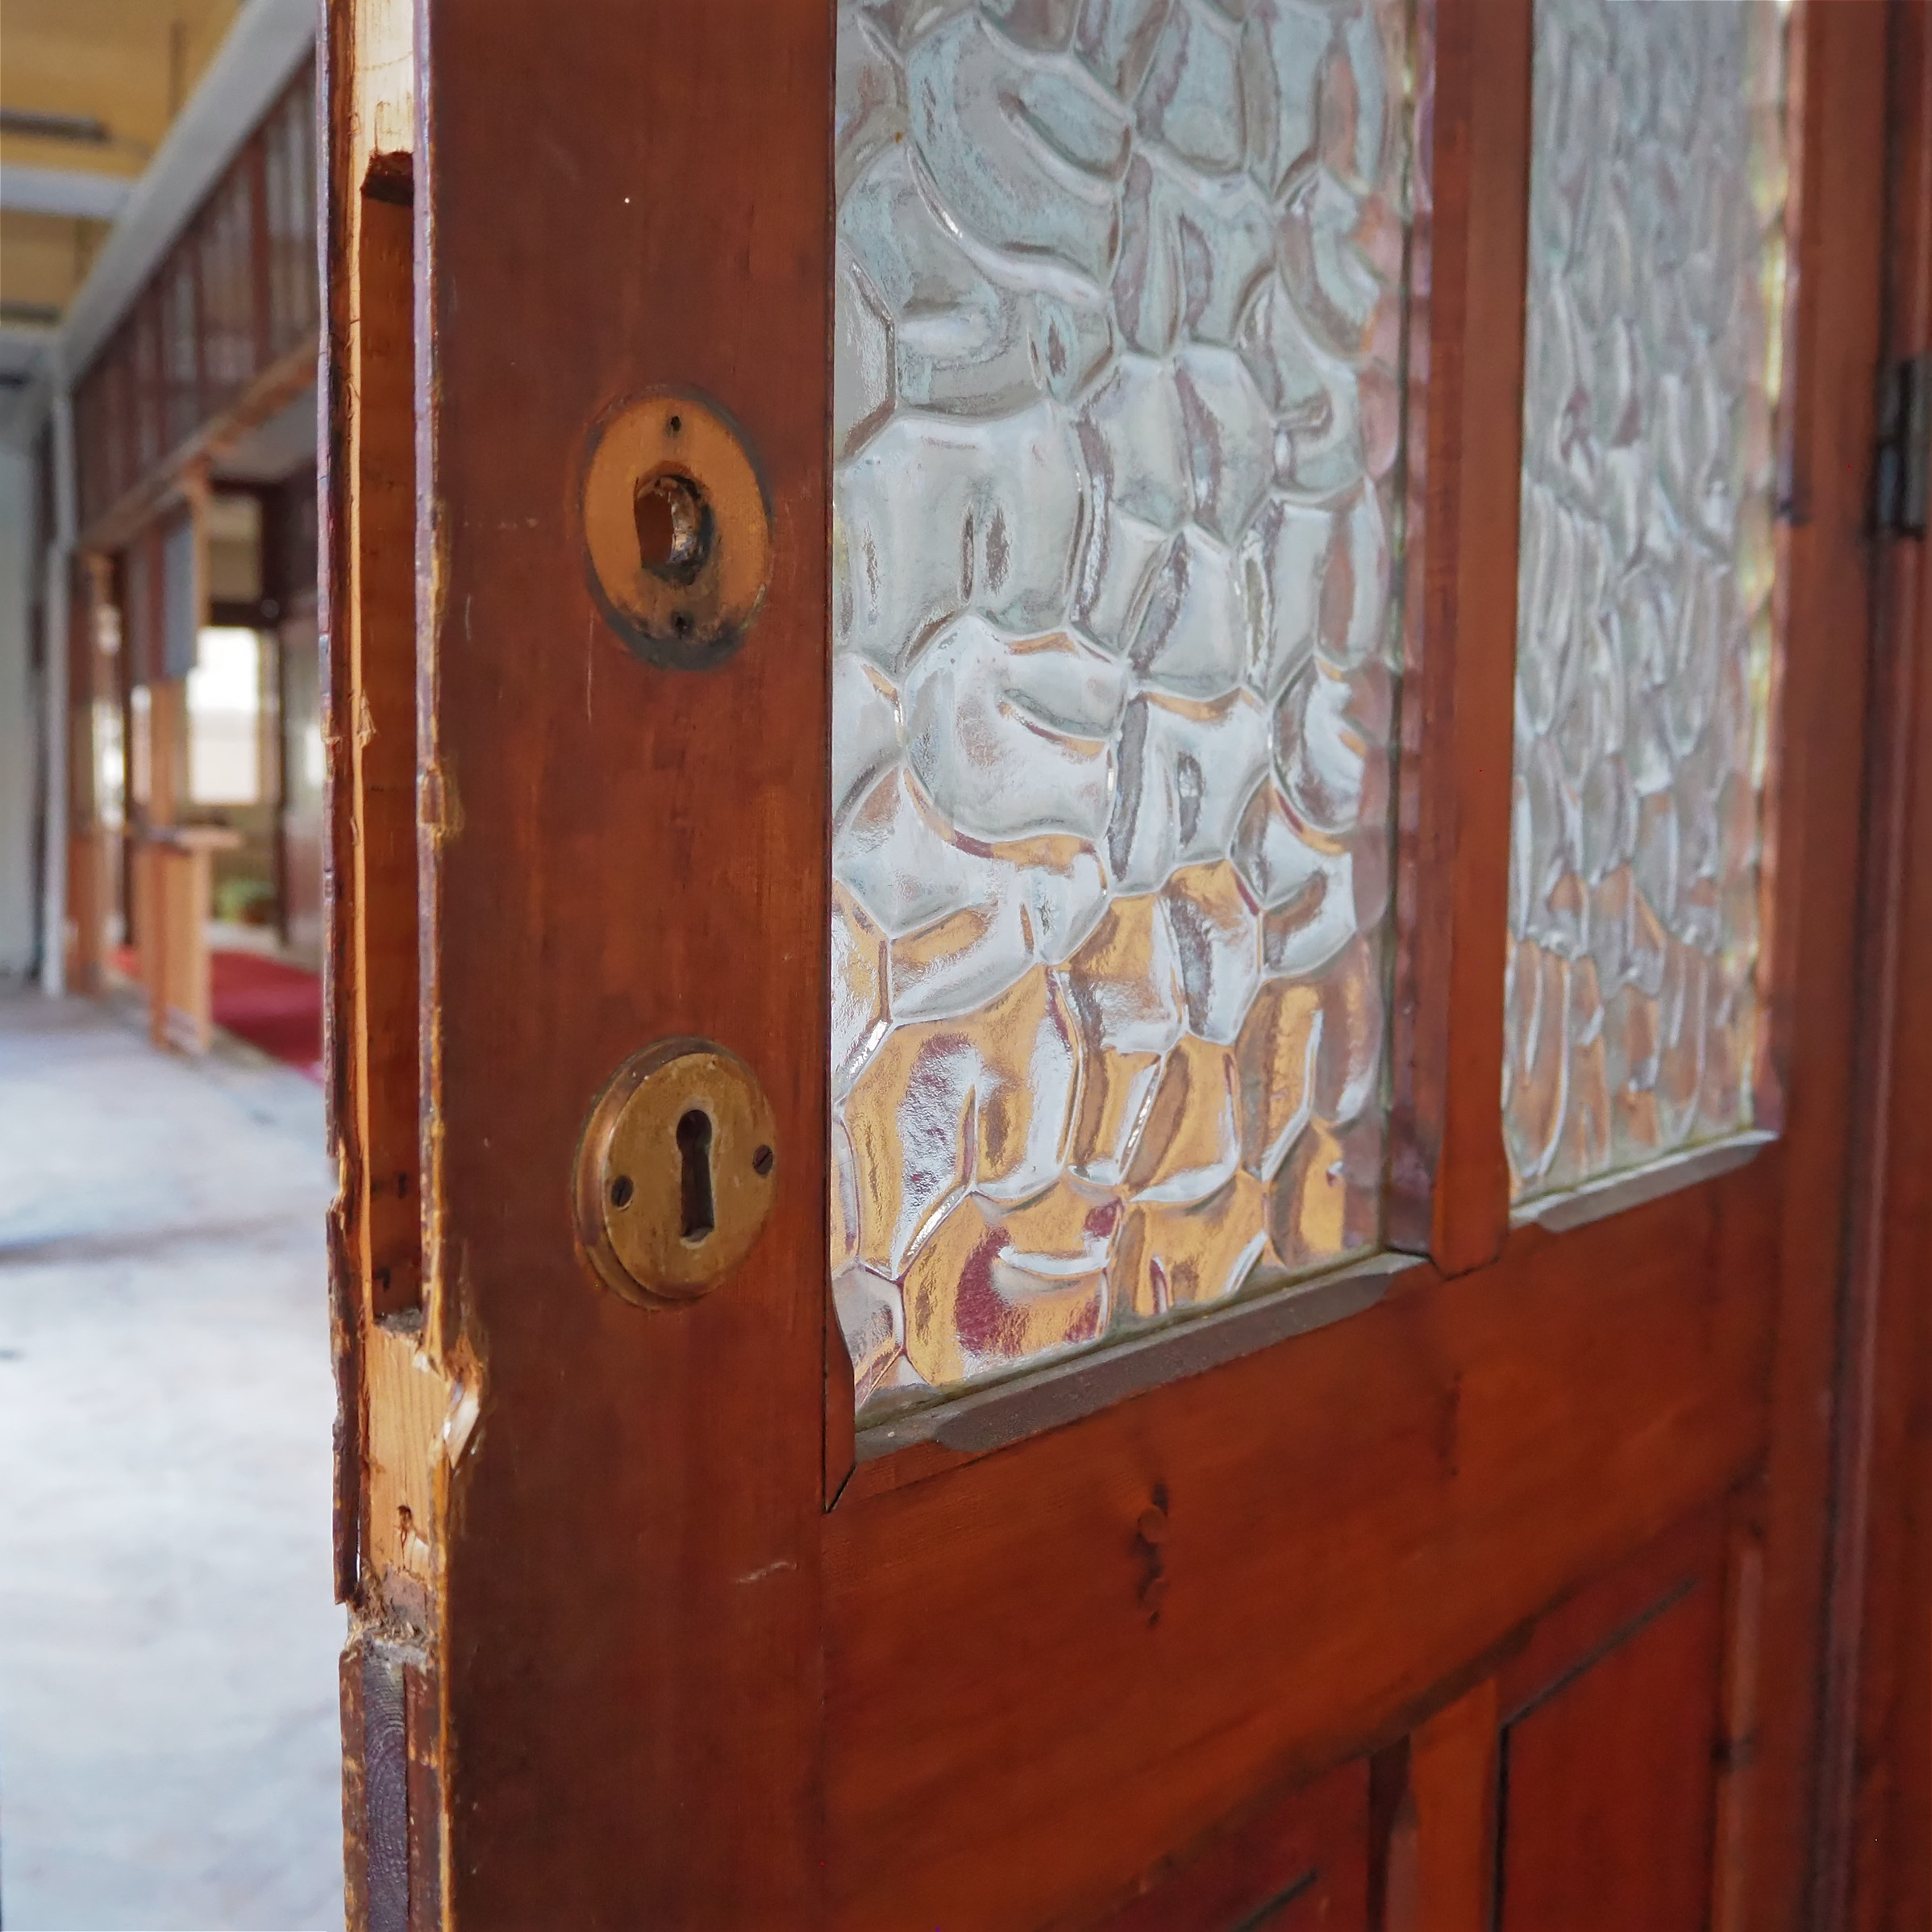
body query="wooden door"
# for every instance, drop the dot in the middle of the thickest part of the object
(1399, 1495)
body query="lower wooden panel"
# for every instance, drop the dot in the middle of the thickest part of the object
(1608, 1777)
(1354, 1519)
(1300, 1863)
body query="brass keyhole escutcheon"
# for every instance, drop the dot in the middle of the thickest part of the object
(677, 529)
(677, 1172)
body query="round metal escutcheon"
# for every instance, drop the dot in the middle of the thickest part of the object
(677, 529)
(677, 1172)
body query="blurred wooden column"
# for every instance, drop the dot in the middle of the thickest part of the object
(180, 1003)
(86, 858)
(173, 868)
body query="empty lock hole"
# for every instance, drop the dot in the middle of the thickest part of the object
(694, 1150)
(673, 526)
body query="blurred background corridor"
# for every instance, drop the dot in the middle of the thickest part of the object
(168, 1750)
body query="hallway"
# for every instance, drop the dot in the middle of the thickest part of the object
(168, 1753)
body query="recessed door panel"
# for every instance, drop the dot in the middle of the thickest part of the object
(1607, 1804)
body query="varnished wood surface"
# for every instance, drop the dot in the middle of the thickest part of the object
(610, 200)
(1449, 1885)
(1022, 1718)
(1448, 1182)
(1810, 966)
(1876, 1866)
(1351, 1518)
(1605, 1770)
(1300, 1864)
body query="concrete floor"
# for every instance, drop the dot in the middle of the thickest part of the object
(167, 1645)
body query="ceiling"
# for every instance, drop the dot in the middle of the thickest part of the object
(88, 88)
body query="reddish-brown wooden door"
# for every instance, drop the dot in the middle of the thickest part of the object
(1476, 1576)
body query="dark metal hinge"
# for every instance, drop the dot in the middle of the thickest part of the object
(1904, 479)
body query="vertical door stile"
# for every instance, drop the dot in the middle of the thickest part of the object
(619, 853)
(1813, 815)
(1875, 1865)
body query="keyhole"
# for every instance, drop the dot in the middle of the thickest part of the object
(674, 529)
(694, 1145)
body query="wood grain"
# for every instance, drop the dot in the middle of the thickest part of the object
(1029, 1687)
(381, 709)
(1808, 965)
(1352, 1518)
(1299, 1864)
(1453, 1763)
(336, 73)
(1449, 1182)
(618, 853)
(1876, 1867)
(1606, 1783)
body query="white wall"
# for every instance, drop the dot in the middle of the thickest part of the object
(19, 725)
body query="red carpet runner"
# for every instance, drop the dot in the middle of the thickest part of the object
(275, 1007)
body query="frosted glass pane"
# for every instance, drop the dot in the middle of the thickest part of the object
(1643, 639)
(1116, 413)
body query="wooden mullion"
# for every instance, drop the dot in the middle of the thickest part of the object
(1449, 1185)
(1739, 1696)
(1454, 1766)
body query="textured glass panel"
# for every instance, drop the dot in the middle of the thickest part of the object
(1116, 409)
(1643, 640)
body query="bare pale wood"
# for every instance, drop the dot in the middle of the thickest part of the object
(179, 859)
(393, 1391)
(162, 754)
